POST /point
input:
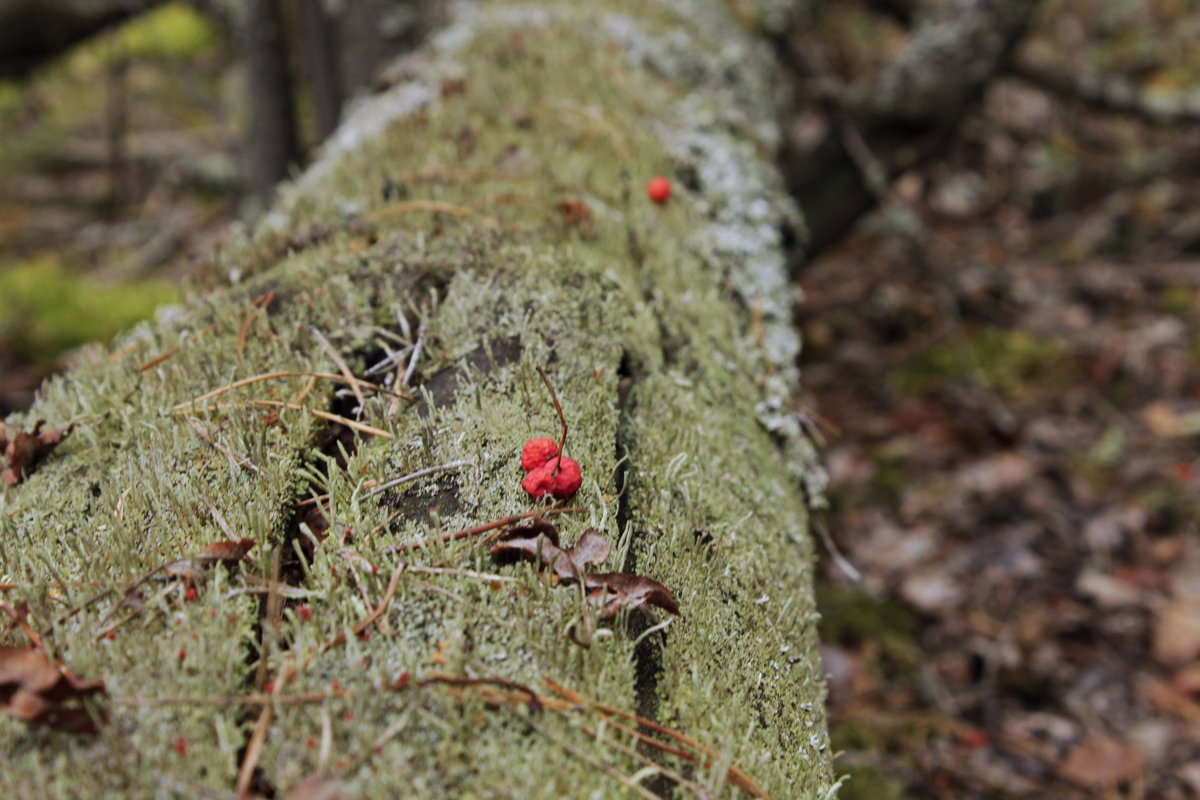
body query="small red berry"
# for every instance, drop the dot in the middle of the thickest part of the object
(561, 484)
(305, 613)
(182, 654)
(568, 480)
(658, 189)
(401, 681)
(539, 482)
(269, 687)
(180, 746)
(974, 738)
(189, 593)
(537, 452)
(110, 635)
(311, 741)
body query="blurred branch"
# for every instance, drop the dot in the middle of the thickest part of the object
(34, 31)
(903, 115)
(1111, 93)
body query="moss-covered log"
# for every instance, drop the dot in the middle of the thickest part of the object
(490, 205)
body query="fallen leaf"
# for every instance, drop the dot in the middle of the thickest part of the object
(614, 591)
(24, 450)
(537, 541)
(592, 548)
(229, 552)
(1167, 423)
(226, 552)
(618, 590)
(1107, 591)
(318, 787)
(1101, 761)
(1177, 633)
(35, 690)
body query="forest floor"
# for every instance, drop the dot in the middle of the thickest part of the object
(1003, 360)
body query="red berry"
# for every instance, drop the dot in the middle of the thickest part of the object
(311, 741)
(305, 612)
(539, 482)
(974, 738)
(658, 189)
(110, 635)
(545, 481)
(537, 452)
(189, 593)
(568, 480)
(269, 687)
(182, 654)
(180, 746)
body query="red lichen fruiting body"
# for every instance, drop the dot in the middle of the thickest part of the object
(537, 452)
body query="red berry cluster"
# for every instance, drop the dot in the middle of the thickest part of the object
(548, 475)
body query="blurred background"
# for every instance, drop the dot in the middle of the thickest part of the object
(1001, 325)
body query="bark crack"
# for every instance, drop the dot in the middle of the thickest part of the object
(648, 655)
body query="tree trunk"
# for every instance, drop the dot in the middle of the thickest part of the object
(271, 141)
(491, 209)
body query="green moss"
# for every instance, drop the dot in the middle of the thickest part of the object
(172, 31)
(1004, 360)
(1177, 300)
(46, 310)
(870, 783)
(850, 615)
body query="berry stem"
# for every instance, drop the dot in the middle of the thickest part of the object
(561, 417)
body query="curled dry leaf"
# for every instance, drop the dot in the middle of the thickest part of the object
(539, 542)
(22, 451)
(613, 591)
(35, 690)
(227, 553)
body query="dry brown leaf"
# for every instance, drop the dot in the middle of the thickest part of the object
(1177, 633)
(592, 548)
(619, 590)
(23, 450)
(613, 591)
(227, 552)
(1101, 761)
(537, 541)
(318, 787)
(37, 691)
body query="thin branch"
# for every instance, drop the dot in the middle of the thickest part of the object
(345, 370)
(416, 354)
(478, 529)
(607, 769)
(562, 442)
(418, 474)
(316, 412)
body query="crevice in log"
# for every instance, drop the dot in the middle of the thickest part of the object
(648, 654)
